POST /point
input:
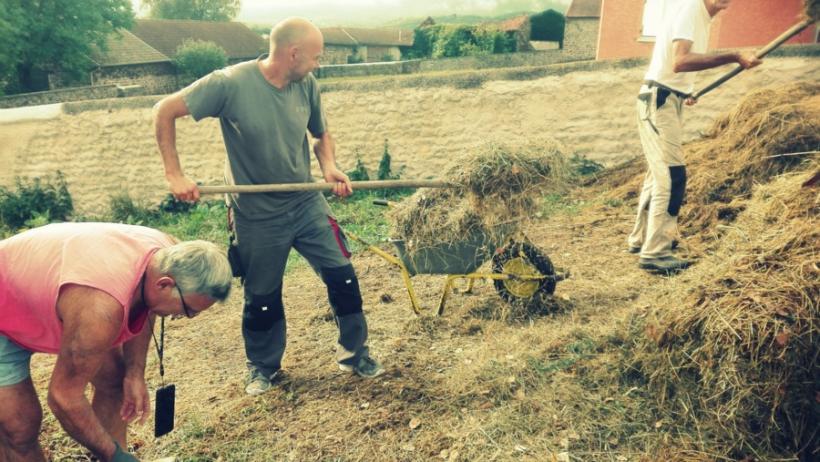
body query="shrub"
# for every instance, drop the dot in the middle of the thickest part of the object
(125, 210)
(198, 58)
(359, 173)
(36, 202)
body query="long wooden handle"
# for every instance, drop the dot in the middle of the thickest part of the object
(794, 30)
(293, 187)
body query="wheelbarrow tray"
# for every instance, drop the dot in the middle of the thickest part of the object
(461, 257)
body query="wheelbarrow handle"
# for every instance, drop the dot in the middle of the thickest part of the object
(292, 187)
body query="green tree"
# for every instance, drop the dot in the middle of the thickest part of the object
(197, 58)
(42, 36)
(201, 10)
(11, 20)
(548, 26)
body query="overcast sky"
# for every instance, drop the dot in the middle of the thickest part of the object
(361, 12)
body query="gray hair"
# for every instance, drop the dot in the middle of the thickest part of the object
(198, 267)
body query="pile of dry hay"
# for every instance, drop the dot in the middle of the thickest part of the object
(495, 189)
(771, 131)
(733, 343)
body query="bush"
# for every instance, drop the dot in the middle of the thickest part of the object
(125, 210)
(359, 173)
(37, 202)
(198, 58)
(450, 41)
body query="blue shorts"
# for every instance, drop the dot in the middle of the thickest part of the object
(14, 363)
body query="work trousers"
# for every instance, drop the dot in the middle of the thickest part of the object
(660, 125)
(264, 246)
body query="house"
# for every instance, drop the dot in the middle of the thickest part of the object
(130, 61)
(144, 55)
(628, 27)
(165, 35)
(518, 28)
(345, 45)
(583, 22)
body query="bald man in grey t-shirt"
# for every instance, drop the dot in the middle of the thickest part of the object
(265, 108)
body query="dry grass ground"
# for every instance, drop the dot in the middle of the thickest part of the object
(483, 382)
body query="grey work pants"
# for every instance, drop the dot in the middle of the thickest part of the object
(264, 246)
(660, 124)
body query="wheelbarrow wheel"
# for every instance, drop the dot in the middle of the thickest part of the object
(523, 260)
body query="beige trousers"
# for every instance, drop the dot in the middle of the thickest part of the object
(660, 125)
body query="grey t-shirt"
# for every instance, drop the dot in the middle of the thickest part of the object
(264, 129)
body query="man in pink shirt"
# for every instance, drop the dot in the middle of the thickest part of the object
(89, 292)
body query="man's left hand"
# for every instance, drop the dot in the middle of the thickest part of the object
(342, 186)
(136, 404)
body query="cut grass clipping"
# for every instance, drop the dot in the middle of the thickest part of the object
(496, 189)
(731, 347)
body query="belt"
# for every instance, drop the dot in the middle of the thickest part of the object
(679, 94)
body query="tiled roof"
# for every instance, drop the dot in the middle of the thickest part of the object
(126, 48)
(513, 24)
(358, 36)
(584, 9)
(165, 35)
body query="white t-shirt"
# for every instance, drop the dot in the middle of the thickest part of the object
(690, 20)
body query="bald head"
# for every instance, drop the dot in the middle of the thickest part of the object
(293, 32)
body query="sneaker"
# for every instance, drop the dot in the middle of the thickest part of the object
(257, 383)
(367, 367)
(664, 264)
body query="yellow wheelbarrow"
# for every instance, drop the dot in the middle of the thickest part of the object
(520, 271)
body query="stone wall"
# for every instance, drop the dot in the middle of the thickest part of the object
(366, 69)
(377, 54)
(336, 54)
(59, 96)
(155, 78)
(523, 59)
(581, 37)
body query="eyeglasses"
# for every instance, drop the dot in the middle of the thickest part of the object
(189, 312)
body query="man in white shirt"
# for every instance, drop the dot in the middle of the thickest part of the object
(680, 51)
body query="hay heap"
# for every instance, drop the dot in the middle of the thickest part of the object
(496, 186)
(733, 342)
(744, 147)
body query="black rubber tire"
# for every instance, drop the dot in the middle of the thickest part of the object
(535, 257)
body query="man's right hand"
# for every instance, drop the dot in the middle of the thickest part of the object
(183, 188)
(748, 60)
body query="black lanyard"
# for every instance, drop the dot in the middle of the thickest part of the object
(160, 346)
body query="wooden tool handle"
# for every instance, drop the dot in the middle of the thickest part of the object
(794, 30)
(293, 187)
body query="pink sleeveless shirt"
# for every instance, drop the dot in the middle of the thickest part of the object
(35, 264)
